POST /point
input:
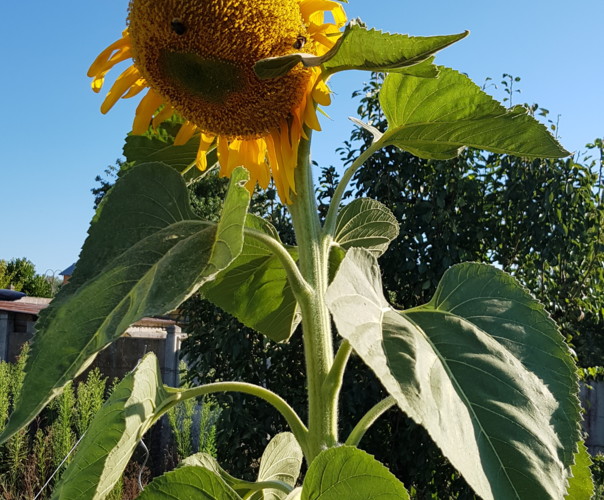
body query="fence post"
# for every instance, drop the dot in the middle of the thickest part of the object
(5, 330)
(592, 399)
(171, 350)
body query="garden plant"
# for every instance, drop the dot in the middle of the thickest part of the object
(480, 366)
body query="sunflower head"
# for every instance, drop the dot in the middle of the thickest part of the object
(197, 58)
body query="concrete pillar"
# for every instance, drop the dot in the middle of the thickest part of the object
(171, 352)
(6, 327)
(591, 394)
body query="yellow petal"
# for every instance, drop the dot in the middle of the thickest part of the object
(100, 62)
(321, 93)
(136, 89)
(144, 112)
(120, 87)
(274, 157)
(223, 153)
(185, 132)
(201, 160)
(166, 112)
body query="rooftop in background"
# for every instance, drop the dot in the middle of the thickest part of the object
(34, 305)
(69, 271)
(25, 305)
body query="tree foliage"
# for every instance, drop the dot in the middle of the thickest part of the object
(20, 275)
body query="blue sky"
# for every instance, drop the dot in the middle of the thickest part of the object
(54, 140)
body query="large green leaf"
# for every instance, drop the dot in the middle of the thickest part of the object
(348, 473)
(497, 422)
(188, 483)
(206, 461)
(116, 430)
(434, 118)
(279, 466)
(281, 461)
(254, 288)
(145, 254)
(157, 145)
(581, 483)
(295, 494)
(366, 223)
(494, 302)
(373, 50)
(370, 50)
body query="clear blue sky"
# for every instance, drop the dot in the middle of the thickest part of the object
(55, 141)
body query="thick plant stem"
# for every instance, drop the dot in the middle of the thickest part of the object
(316, 324)
(368, 420)
(295, 424)
(334, 205)
(333, 382)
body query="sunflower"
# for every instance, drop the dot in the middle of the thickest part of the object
(196, 58)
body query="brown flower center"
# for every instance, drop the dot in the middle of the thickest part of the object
(200, 54)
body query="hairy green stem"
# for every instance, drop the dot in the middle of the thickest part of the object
(296, 280)
(368, 420)
(316, 324)
(332, 213)
(291, 417)
(263, 485)
(335, 378)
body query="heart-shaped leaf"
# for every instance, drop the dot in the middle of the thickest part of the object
(279, 467)
(366, 223)
(188, 482)
(281, 461)
(373, 50)
(350, 473)
(370, 50)
(497, 421)
(254, 288)
(494, 302)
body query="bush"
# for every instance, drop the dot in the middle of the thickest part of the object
(597, 470)
(36, 456)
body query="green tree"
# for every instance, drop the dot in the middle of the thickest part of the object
(20, 274)
(105, 181)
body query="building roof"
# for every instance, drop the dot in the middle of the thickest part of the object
(69, 271)
(19, 306)
(33, 306)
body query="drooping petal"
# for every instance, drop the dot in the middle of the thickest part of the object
(166, 112)
(145, 111)
(201, 160)
(121, 86)
(185, 132)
